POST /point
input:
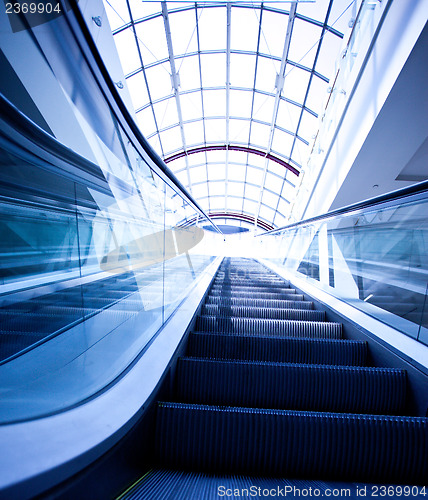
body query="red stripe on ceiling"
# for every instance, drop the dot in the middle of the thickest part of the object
(243, 149)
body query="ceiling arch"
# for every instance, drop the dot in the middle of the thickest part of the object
(229, 93)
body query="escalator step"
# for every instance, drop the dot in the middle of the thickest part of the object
(292, 443)
(262, 312)
(291, 386)
(236, 301)
(291, 295)
(244, 288)
(274, 327)
(282, 350)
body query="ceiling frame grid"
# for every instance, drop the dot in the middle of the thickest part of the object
(171, 132)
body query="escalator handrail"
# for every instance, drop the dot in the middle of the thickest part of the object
(420, 188)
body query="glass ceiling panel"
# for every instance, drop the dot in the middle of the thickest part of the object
(146, 121)
(212, 28)
(213, 70)
(152, 40)
(304, 43)
(191, 106)
(242, 69)
(247, 111)
(245, 29)
(239, 130)
(240, 103)
(183, 31)
(274, 29)
(127, 48)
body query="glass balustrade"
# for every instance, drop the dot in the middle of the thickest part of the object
(375, 258)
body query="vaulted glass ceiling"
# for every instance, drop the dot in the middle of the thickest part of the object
(229, 94)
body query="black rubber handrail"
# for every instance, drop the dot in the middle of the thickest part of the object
(414, 189)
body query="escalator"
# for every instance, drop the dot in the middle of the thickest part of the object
(269, 389)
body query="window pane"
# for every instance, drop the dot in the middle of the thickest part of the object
(194, 133)
(159, 81)
(239, 131)
(240, 103)
(274, 29)
(152, 40)
(304, 43)
(215, 131)
(191, 105)
(244, 29)
(214, 103)
(138, 90)
(216, 172)
(213, 70)
(127, 50)
(259, 135)
(242, 68)
(183, 32)
(188, 69)
(212, 28)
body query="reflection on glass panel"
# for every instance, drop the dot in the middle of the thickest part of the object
(245, 29)
(183, 32)
(375, 259)
(234, 204)
(250, 207)
(272, 182)
(303, 46)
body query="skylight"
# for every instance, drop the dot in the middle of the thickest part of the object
(250, 77)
